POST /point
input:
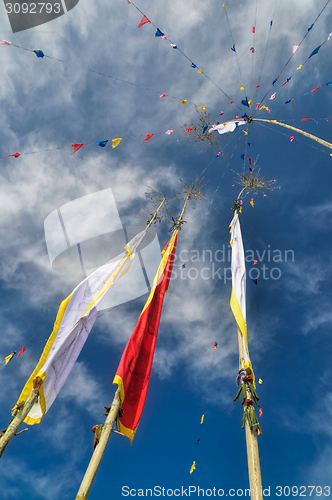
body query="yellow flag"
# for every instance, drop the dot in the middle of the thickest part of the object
(116, 142)
(193, 467)
(8, 358)
(202, 108)
(202, 419)
(299, 67)
(183, 102)
(224, 6)
(200, 71)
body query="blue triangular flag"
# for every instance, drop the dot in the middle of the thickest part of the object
(274, 81)
(316, 121)
(250, 169)
(287, 102)
(245, 116)
(102, 144)
(39, 53)
(271, 23)
(205, 129)
(233, 48)
(330, 83)
(311, 27)
(245, 102)
(314, 52)
(158, 33)
(193, 65)
(242, 156)
(248, 143)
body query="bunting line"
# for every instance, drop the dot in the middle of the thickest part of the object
(113, 77)
(286, 64)
(159, 33)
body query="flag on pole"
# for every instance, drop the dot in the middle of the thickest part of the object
(238, 296)
(74, 321)
(133, 373)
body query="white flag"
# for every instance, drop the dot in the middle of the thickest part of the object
(238, 297)
(74, 321)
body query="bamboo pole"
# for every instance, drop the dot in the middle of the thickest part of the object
(299, 131)
(254, 468)
(155, 214)
(18, 419)
(98, 453)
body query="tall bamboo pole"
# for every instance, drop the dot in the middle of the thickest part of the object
(299, 131)
(98, 453)
(18, 419)
(254, 468)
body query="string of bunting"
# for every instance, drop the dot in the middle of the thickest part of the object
(290, 58)
(115, 142)
(310, 92)
(160, 34)
(40, 54)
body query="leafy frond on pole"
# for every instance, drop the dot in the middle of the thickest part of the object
(252, 182)
(196, 133)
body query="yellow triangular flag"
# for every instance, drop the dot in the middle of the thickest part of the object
(200, 71)
(299, 67)
(116, 142)
(224, 6)
(260, 381)
(245, 133)
(249, 102)
(202, 419)
(8, 358)
(193, 467)
(183, 102)
(202, 108)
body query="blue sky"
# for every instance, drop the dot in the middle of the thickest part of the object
(48, 104)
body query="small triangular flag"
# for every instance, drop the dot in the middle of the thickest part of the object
(102, 144)
(116, 142)
(147, 137)
(39, 53)
(76, 146)
(143, 21)
(21, 352)
(159, 33)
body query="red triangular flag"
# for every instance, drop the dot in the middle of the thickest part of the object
(144, 20)
(21, 352)
(16, 155)
(148, 137)
(76, 146)
(189, 129)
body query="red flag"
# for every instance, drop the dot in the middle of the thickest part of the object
(16, 155)
(189, 129)
(133, 373)
(21, 352)
(148, 137)
(314, 90)
(143, 21)
(253, 29)
(76, 146)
